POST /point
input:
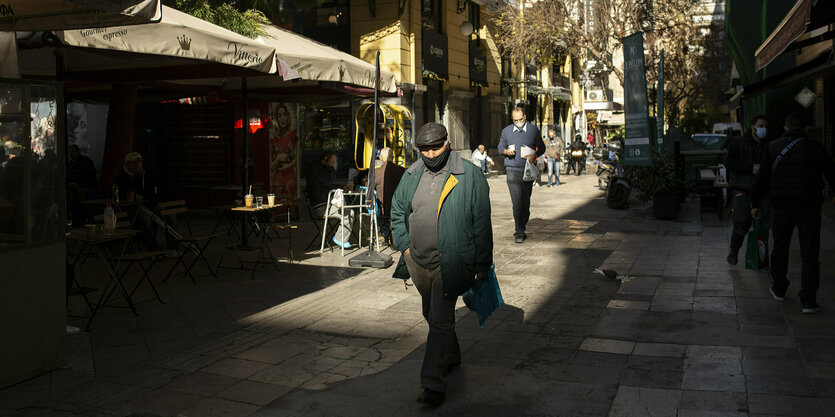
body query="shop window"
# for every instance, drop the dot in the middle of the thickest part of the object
(431, 15)
(329, 23)
(31, 171)
(327, 129)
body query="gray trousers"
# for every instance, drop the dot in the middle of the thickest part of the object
(442, 346)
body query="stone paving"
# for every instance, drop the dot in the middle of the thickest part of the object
(683, 335)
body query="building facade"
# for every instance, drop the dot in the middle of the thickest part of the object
(445, 59)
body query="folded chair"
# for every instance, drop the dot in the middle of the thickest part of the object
(190, 242)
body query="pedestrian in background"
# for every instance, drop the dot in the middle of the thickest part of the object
(553, 153)
(743, 164)
(481, 158)
(514, 137)
(440, 218)
(791, 173)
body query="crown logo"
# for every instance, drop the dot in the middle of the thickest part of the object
(185, 42)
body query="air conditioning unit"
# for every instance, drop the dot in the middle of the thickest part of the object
(595, 95)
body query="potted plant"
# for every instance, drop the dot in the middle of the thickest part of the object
(659, 183)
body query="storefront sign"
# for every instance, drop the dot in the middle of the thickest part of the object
(637, 148)
(435, 53)
(478, 62)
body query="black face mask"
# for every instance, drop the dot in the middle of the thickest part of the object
(436, 163)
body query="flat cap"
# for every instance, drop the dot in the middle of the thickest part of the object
(431, 134)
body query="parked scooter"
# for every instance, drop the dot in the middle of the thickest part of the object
(618, 186)
(606, 161)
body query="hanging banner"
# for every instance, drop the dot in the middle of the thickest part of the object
(637, 148)
(284, 150)
(659, 103)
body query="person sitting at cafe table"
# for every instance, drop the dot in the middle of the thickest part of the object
(321, 179)
(137, 184)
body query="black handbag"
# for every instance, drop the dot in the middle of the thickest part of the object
(401, 271)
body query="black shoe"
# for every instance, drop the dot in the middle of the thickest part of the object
(431, 398)
(524, 236)
(810, 307)
(519, 239)
(778, 295)
(733, 257)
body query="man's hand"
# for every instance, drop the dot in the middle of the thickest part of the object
(481, 276)
(532, 158)
(406, 252)
(508, 152)
(755, 212)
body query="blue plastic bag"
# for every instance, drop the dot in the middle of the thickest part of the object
(484, 297)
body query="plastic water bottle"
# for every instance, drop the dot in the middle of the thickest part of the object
(109, 219)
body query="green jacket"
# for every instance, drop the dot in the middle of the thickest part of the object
(465, 232)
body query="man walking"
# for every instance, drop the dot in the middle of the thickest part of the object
(514, 137)
(440, 218)
(553, 152)
(792, 171)
(743, 163)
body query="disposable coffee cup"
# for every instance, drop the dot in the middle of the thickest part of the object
(259, 202)
(271, 199)
(248, 200)
(511, 147)
(91, 230)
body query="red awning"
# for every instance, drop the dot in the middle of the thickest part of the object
(793, 25)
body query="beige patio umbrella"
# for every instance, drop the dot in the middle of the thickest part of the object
(35, 15)
(306, 70)
(176, 36)
(303, 58)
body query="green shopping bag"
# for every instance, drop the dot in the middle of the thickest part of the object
(756, 252)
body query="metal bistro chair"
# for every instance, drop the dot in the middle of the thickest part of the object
(373, 228)
(146, 259)
(196, 244)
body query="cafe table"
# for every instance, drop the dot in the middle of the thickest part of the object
(110, 247)
(260, 219)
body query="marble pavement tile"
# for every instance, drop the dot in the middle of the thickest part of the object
(251, 392)
(637, 402)
(659, 349)
(714, 401)
(709, 381)
(607, 345)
